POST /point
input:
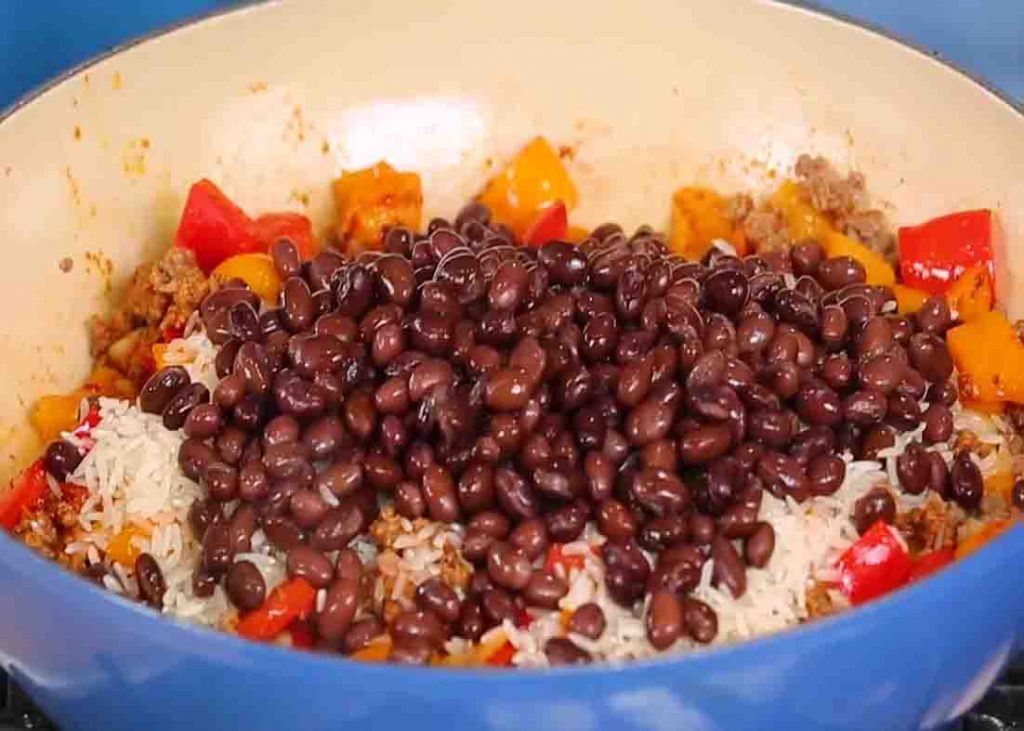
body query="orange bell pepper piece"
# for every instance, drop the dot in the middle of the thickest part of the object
(122, 549)
(989, 358)
(973, 294)
(976, 540)
(908, 299)
(292, 600)
(373, 199)
(257, 270)
(377, 651)
(698, 218)
(1000, 483)
(803, 220)
(534, 179)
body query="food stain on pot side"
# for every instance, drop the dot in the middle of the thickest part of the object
(133, 157)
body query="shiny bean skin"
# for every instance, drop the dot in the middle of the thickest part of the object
(560, 651)
(161, 387)
(700, 620)
(877, 504)
(664, 619)
(728, 566)
(938, 420)
(966, 486)
(508, 566)
(436, 597)
(150, 579)
(759, 546)
(614, 520)
(530, 537)
(513, 494)
(181, 403)
(825, 474)
(439, 494)
(309, 564)
(841, 271)
(245, 586)
(339, 526)
(865, 407)
(588, 621)
(361, 633)
(545, 589)
(338, 610)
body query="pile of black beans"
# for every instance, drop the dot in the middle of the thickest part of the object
(526, 392)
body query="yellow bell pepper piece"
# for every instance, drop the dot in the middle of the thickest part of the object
(122, 549)
(971, 296)
(803, 220)
(56, 413)
(373, 199)
(534, 179)
(908, 299)
(989, 358)
(256, 270)
(698, 218)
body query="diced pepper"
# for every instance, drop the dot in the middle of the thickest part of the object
(989, 358)
(1000, 483)
(984, 407)
(377, 651)
(301, 634)
(373, 199)
(257, 270)
(983, 535)
(698, 218)
(534, 179)
(270, 227)
(550, 224)
(122, 548)
(973, 294)
(936, 253)
(877, 268)
(928, 563)
(908, 299)
(502, 657)
(54, 414)
(25, 492)
(803, 220)
(556, 557)
(292, 600)
(213, 227)
(875, 565)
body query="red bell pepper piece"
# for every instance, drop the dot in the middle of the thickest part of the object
(934, 254)
(875, 565)
(555, 557)
(301, 634)
(270, 227)
(26, 491)
(292, 600)
(550, 224)
(928, 563)
(214, 227)
(502, 657)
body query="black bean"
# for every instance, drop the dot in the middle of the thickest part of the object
(758, 548)
(728, 566)
(826, 473)
(181, 403)
(61, 458)
(309, 564)
(933, 316)
(877, 504)
(865, 407)
(966, 486)
(339, 526)
(338, 610)
(561, 651)
(217, 549)
(161, 387)
(725, 291)
(841, 271)
(700, 620)
(664, 619)
(929, 354)
(150, 580)
(245, 586)
(587, 620)
(783, 476)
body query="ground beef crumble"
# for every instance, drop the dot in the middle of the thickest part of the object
(931, 526)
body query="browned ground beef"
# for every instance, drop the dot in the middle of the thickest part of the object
(931, 526)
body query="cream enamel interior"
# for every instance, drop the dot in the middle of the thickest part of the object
(272, 101)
